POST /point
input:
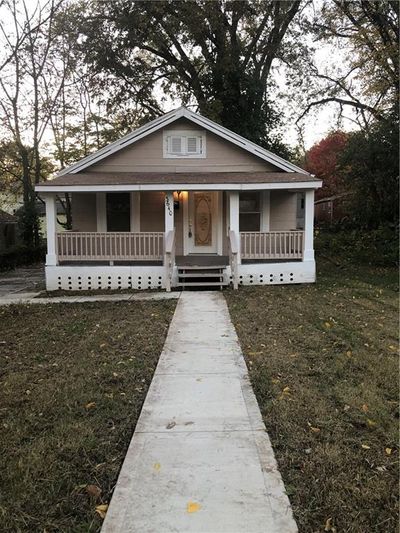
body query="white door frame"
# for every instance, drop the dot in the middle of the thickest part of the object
(187, 246)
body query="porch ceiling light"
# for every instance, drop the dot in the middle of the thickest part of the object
(176, 199)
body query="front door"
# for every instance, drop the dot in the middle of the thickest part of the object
(202, 234)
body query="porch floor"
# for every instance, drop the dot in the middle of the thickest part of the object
(201, 260)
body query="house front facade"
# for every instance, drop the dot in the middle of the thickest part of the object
(181, 201)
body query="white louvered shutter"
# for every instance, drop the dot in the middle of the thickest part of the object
(192, 145)
(176, 145)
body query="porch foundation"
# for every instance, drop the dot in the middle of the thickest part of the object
(102, 277)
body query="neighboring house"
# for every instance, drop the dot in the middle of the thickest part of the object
(181, 201)
(41, 213)
(331, 208)
(8, 230)
(13, 203)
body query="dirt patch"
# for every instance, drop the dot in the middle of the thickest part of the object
(323, 363)
(72, 383)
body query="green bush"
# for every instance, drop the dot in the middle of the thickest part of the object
(21, 255)
(378, 247)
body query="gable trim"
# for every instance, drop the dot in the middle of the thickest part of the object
(167, 119)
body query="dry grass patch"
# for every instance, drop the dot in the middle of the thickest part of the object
(72, 382)
(323, 363)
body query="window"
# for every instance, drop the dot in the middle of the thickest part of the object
(184, 144)
(118, 211)
(249, 211)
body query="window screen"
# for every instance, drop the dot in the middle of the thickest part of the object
(118, 211)
(249, 211)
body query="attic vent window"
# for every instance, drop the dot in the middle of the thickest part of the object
(185, 144)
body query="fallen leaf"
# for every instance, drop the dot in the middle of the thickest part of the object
(365, 446)
(102, 510)
(93, 490)
(388, 451)
(327, 325)
(90, 405)
(371, 423)
(349, 353)
(102, 345)
(192, 507)
(329, 526)
(315, 430)
(364, 407)
(286, 389)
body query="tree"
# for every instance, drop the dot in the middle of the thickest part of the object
(369, 168)
(366, 32)
(30, 85)
(322, 160)
(217, 55)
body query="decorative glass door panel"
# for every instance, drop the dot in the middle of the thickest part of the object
(203, 219)
(201, 223)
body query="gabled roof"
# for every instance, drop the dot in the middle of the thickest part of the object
(167, 119)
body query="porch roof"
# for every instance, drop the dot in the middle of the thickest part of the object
(169, 180)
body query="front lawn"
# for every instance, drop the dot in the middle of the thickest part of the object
(323, 362)
(73, 378)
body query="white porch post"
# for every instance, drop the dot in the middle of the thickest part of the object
(169, 211)
(234, 217)
(308, 254)
(101, 211)
(51, 225)
(135, 211)
(265, 210)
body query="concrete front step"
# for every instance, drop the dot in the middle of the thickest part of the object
(202, 284)
(199, 267)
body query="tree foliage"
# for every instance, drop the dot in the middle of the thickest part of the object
(369, 168)
(322, 160)
(366, 32)
(216, 54)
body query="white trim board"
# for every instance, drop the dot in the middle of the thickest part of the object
(180, 187)
(167, 119)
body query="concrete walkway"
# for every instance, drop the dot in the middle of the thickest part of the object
(200, 459)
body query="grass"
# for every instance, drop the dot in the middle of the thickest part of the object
(324, 366)
(73, 378)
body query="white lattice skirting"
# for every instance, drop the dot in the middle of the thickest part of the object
(153, 277)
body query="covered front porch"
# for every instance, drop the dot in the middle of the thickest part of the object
(143, 239)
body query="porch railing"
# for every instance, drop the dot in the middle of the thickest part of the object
(272, 245)
(110, 246)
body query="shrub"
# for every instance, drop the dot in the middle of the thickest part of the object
(378, 247)
(21, 255)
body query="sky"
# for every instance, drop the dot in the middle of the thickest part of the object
(317, 123)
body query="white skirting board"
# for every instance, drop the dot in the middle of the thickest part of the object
(153, 277)
(276, 273)
(97, 277)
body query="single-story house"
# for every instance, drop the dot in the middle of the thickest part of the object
(181, 201)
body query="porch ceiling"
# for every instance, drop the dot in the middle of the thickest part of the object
(168, 180)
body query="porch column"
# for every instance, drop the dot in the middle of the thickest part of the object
(51, 228)
(169, 211)
(265, 210)
(234, 217)
(308, 254)
(101, 211)
(135, 211)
